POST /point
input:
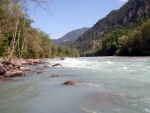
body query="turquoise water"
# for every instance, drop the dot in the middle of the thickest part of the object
(106, 85)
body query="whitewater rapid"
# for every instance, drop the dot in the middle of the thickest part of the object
(104, 85)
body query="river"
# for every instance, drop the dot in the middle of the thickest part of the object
(105, 85)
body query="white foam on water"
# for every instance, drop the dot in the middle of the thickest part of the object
(117, 94)
(90, 84)
(68, 62)
(89, 111)
(147, 110)
(125, 68)
(117, 109)
(147, 100)
(109, 62)
(77, 63)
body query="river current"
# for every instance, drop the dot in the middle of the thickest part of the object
(105, 85)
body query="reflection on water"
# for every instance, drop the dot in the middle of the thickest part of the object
(105, 85)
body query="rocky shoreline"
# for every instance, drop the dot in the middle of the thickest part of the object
(17, 67)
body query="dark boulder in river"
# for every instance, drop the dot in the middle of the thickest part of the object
(62, 58)
(56, 65)
(71, 83)
(46, 67)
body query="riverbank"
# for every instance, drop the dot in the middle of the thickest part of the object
(17, 67)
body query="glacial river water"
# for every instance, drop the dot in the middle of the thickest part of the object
(105, 85)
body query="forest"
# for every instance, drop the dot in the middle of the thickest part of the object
(18, 39)
(124, 42)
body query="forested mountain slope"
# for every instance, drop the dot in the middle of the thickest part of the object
(129, 16)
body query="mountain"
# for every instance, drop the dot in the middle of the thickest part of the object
(70, 37)
(131, 15)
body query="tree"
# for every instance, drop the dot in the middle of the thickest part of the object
(14, 25)
(25, 27)
(16, 31)
(137, 43)
(19, 39)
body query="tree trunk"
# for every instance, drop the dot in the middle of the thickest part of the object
(13, 42)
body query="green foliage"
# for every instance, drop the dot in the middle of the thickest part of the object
(3, 46)
(112, 43)
(138, 42)
(23, 41)
(126, 42)
(38, 44)
(64, 51)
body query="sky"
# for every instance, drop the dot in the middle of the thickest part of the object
(64, 16)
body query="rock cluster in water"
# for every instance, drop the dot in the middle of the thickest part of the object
(17, 67)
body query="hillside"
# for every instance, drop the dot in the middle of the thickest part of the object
(70, 37)
(129, 16)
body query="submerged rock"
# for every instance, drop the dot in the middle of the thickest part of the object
(71, 82)
(41, 69)
(57, 64)
(57, 75)
(46, 67)
(81, 83)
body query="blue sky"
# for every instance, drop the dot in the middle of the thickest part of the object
(68, 15)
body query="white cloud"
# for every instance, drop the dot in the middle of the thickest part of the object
(122, 0)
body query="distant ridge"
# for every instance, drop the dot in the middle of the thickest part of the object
(70, 37)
